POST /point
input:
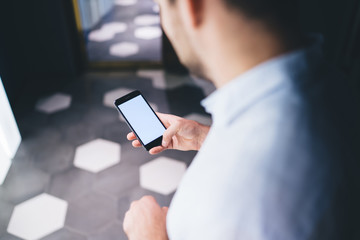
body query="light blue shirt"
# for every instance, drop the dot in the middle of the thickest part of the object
(266, 169)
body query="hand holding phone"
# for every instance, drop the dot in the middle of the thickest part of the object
(141, 119)
(181, 134)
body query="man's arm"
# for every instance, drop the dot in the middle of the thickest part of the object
(145, 218)
(181, 134)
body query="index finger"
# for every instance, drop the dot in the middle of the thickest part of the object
(164, 118)
(156, 150)
(131, 136)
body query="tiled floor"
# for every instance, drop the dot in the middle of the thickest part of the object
(130, 31)
(75, 174)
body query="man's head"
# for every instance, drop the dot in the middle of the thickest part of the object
(203, 30)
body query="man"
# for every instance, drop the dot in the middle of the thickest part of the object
(277, 161)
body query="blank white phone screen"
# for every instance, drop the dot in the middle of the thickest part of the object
(142, 119)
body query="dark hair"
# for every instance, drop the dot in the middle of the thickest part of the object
(278, 14)
(281, 14)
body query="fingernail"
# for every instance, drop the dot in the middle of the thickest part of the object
(164, 143)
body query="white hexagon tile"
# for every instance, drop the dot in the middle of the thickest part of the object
(38, 217)
(124, 49)
(125, 2)
(107, 31)
(115, 27)
(111, 96)
(54, 103)
(157, 77)
(162, 175)
(100, 35)
(162, 80)
(203, 119)
(97, 155)
(147, 19)
(148, 33)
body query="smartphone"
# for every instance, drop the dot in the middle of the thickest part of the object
(141, 119)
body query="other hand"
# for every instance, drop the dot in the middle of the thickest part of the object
(146, 220)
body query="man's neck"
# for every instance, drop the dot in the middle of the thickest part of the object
(236, 52)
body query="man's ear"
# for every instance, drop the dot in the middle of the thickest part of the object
(193, 11)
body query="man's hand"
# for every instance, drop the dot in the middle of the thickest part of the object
(146, 220)
(181, 134)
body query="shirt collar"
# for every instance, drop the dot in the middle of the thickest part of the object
(260, 81)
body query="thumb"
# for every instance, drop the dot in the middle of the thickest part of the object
(168, 134)
(165, 209)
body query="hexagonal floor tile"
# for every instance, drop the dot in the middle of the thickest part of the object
(6, 210)
(107, 31)
(117, 180)
(54, 158)
(8, 236)
(54, 103)
(111, 96)
(148, 33)
(147, 19)
(115, 231)
(162, 175)
(38, 217)
(97, 155)
(18, 189)
(162, 80)
(65, 234)
(91, 212)
(157, 77)
(125, 2)
(101, 35)
(115, 27)
(124, 49)
(71, 184)
(200, 118)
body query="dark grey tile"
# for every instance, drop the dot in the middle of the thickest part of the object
(35, 142)
(113, 232)
(99, 116)
(31, 122)
(116, 132)
(23, 182)
(8, 236)
(81, 133)
(117, 179)
(70, 184)
(134, 156)
(64, 234)
(157, 96)
(186, 156)
(55, 157)
(67, 117)
(91, 212)
(185, 99)
(6, 211)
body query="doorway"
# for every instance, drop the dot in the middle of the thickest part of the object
(115, 33)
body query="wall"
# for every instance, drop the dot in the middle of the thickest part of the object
(339, 22)
(38, 47)
(92, 11)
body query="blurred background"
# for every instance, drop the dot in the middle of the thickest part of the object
(62, 64)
